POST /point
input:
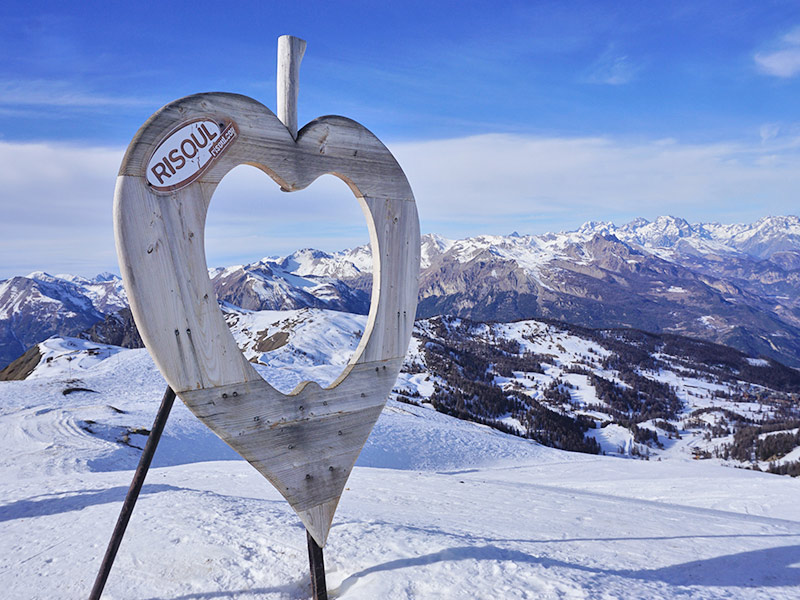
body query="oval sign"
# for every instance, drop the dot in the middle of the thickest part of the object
(187, 152)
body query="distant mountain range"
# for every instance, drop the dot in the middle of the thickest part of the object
(733, 284)
(738, 285)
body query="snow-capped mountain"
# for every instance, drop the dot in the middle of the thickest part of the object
(761, 239)
(285, 284)
(737, 285)
(504, 516)
(34, 307)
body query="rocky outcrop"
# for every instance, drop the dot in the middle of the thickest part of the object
(117, 329)
(23, 366)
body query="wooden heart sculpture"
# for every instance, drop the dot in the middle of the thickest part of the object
(305, 442)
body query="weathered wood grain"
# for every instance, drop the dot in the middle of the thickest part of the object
(290, 54)
(306, 442)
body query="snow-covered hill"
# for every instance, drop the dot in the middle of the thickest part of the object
(436, 507)
(616, 392)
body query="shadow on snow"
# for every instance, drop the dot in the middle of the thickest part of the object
(770, 567)
(62, 502)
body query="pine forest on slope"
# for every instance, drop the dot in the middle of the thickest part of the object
(615, 391)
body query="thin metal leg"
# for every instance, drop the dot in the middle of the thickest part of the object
(319, 591)
(133, 493)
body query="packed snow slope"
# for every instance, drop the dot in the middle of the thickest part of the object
(436, 507)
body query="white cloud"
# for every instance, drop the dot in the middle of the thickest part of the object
(249, 218)
(56, 199)
(504, 182)
(45, 92)
(784, 59)
(783, 63)
(56, 207)
(612, 69)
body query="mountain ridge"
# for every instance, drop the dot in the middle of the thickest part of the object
(735, 284)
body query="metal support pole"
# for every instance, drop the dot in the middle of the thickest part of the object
(133, 493)
(319, 591)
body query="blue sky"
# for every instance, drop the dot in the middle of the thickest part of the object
(529, 116)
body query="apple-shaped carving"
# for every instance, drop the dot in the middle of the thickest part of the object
(305, 442)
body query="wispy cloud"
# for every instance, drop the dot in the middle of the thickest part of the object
(769, 131)
(612, 68)
(44, 92)
(56, 204)
(783, 60)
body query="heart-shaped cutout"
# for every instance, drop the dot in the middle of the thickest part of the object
(305, 442)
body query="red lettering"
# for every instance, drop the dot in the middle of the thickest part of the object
(183, 148)
(198, 144)
(169, 164)
(176, 158)
(209, 136)
(160, 173)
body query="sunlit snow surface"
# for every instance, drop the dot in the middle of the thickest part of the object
(436, 508)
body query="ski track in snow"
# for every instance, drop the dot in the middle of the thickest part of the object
(436, 508)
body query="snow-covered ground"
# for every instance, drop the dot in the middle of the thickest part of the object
(436, 508)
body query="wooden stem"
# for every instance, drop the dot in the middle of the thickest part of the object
(319, 590)
(133, 494)
(290, 54)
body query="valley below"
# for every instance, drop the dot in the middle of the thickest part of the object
(612, 412)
